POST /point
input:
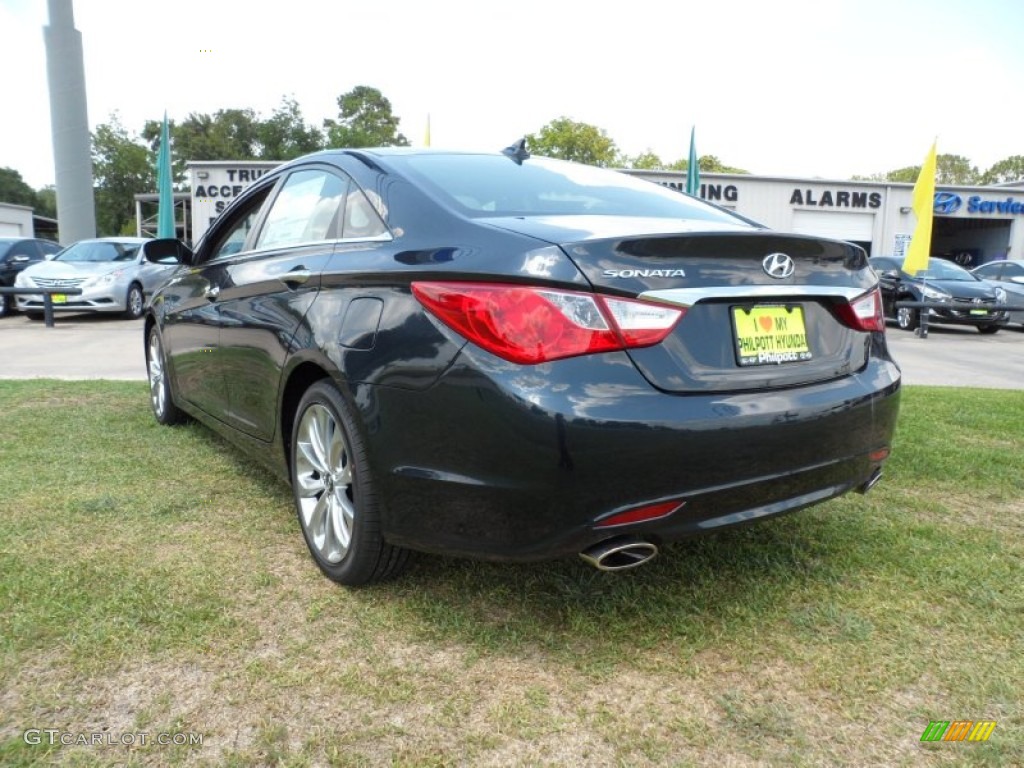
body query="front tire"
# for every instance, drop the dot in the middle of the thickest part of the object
(907, 318)
(7, 304)
(988, 330)
(335, 497)
(135, 302)
(164, 409)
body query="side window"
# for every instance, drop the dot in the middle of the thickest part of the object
(361, 219)
(232, 240)
(304, 211)
(25, 249)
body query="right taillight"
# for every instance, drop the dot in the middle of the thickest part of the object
(864, 313)
(529, 324)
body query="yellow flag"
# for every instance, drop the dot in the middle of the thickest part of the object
(916, 259)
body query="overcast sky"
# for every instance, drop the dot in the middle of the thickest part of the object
(826, 88)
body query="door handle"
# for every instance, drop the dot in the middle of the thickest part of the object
(212, 292)
(296, 277)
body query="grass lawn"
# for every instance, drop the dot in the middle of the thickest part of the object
(155, 585)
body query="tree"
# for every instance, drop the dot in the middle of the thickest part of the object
(14, 189)
(285, 135)
(1007, 170)
(645, 161)
(228, 134)
(949, 169)
(364, 120)
(707, 164)
(121, 166)
(579, 142)
(46, 202)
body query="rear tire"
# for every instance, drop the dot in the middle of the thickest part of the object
(335, 495)
(164, 409)
(907, 318)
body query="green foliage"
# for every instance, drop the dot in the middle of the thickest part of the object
(579, 142)
(711, 164)
(46, 202)
(1010, 169)
(949, 169)
(121, 167)
(285, 135)
(364, 120)
(645, 161)
(14, 190)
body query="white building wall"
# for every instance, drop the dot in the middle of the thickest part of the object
(16, 221)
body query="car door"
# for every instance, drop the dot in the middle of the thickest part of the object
(191, 323)
(266, 292)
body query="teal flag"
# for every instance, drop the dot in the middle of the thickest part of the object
(165, 210)
(693, 169)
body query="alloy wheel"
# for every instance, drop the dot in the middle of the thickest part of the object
(324, 482)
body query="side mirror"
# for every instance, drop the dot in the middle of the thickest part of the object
(19, 259)
(169, 251)
(891, 274)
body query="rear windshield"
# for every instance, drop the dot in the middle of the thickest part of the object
(495, 185)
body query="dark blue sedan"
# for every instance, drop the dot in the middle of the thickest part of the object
(516, 358)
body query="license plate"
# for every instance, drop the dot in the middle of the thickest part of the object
(979, 311)
(59, 298)
(770, 334)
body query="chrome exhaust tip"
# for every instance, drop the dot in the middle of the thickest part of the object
(871, 482)
(619, 554)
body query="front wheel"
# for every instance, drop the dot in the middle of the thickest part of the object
(988, 329)
(335, 498)
(164, 409)
(907, 318)
(6, 304)
(135, 302)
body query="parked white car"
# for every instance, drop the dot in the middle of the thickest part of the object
(112, 273)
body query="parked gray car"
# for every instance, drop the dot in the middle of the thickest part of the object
(112, 273)
(1008, 274)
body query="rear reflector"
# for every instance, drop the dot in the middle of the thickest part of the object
(528, 324)
(641, 514)
(880, 455)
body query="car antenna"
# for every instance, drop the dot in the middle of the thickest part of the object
(517, 151)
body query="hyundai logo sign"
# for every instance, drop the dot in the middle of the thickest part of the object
(947, 202)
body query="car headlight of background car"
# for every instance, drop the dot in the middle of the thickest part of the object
(21, 280)
(934, 294)
(106, 279)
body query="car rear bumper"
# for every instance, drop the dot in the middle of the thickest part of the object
(524, 471)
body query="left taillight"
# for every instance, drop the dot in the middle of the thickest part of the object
(530, 324)
(864, 313)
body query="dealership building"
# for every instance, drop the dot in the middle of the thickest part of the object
(972, 225)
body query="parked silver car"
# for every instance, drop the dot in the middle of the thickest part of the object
(112, 273)
(1008, 274)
